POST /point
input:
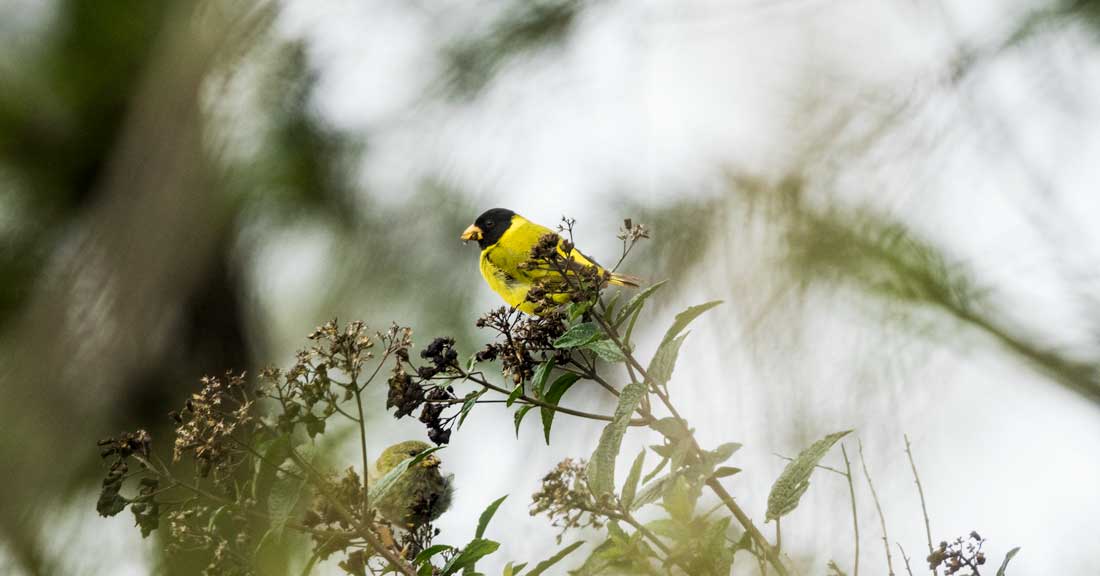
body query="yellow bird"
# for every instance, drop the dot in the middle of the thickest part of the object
(506, 240)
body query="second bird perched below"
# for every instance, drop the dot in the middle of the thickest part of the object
(422, 493)
(506, 240)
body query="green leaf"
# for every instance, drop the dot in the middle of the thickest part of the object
(601, 468)
(713, 458)
(666, 527)
(282, 501)
(684, 318)
(664, 360)
(471, 400)
(427, 553)
(477, 549)
(380, 488)
(671, 428)
(553, 396)
(512, 569)
(577, 309)
(635, 304)
(653, 491)
(795, 479)
(538, 382)
(653, 473)
(274, 451)
(520, 414)
(679, 500)
(546, 564)
(1009, 556)
(725, 471)
(487, 515)
(630, 487)
(607, 350)
(578, 335)
(516, 393)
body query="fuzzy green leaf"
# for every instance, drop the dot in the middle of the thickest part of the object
(384, 484)
(686, 317)
(601, 468)
(679, 500)
(1008, 557)
(553, 396)
(630, 487)
(671, 428)
(578, 335)
(546, 564)
(487, 515)
(653, 491)
(634, 305)
(607, 350)
(664, 361)
(795, 479)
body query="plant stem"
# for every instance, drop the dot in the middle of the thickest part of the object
(363, 449)
(474, 377)
(906, 559)
(920, 491)
(362, 530)
(881, 517)
(852, 496)
(712, 483)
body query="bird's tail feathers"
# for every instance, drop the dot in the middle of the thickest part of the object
(625, 280)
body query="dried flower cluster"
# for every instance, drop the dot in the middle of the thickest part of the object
(958, 555)
(118, 451)
(206, 426)
(523, 342)
(565, 498)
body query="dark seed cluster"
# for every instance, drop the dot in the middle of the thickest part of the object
(424, 388)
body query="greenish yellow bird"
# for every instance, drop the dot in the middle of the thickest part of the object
(506, 240)
(421, 495)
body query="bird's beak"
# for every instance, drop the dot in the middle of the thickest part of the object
(471, 233)
(430, 461)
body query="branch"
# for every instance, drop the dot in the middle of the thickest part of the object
(855, 517)
(882, 519)
(920, 490)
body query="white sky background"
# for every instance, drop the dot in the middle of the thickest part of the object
(653, 100)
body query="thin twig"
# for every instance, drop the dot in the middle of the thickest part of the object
(920, 491)
(852, 496)
(881, 517)
(906, 559)
(476, 378)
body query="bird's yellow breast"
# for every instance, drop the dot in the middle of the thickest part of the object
(501, 263)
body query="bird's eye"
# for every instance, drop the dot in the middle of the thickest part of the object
(413, 452)
(488, 223)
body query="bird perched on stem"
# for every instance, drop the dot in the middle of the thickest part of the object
(422, 493)
(508, 242)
